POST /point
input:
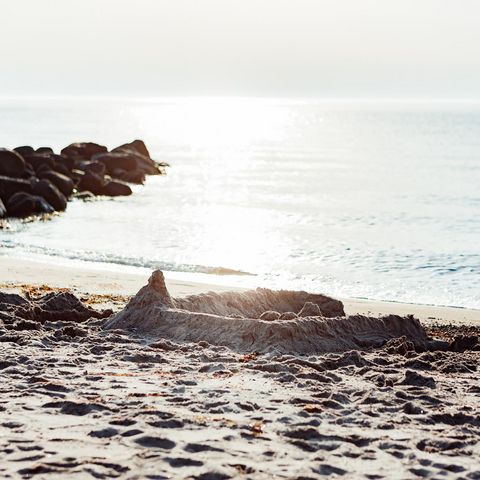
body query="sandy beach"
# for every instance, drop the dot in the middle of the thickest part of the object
(239, 240)
(89, 395)
(16, 272)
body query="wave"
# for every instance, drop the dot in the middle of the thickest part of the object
(124, 260)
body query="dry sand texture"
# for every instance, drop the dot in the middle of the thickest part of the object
(83, 401)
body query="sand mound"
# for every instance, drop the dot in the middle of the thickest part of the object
(53, 306)
(152, 312)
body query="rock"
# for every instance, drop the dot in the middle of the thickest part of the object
(144, 164)
(288, 316)
(24, 150)
(3, 210)
(47, 190)
(116, 188)
(44, 150)
(62, 161)
(23, 204)
(136, 146)
(62, 182)
(135, 176)
(92, 182)
(63, 169)
(125, 161)
(29, 171)
(77, 175)
(270, 315)
(310, 309)
(9, 186)
(89, 166)
(62, 164)
(83, 150)
(36, 160)
(12, 163)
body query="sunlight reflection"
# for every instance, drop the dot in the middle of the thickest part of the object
(221, 122)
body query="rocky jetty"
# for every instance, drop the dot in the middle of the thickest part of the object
(35, 182)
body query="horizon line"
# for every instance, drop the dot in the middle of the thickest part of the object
(339, 99)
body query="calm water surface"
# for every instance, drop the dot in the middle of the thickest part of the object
(377, 200)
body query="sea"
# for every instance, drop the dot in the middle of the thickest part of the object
(351, 198)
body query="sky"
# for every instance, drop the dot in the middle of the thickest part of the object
(306, 48)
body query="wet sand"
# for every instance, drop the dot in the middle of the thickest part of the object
(82, 401)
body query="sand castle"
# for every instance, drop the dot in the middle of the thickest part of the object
(232, 319)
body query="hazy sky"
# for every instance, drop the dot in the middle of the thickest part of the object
(325, 48)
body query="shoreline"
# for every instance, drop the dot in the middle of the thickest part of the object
(17, 273)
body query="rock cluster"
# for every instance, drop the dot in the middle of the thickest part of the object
(41, 181)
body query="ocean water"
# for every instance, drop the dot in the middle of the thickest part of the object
(378, 200)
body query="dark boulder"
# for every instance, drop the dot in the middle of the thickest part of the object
(24, 150)
(9, 186)
(28, 172)
(112, 161)
(83, 150)
(12, 163)
(23, 205)
(36, 160)
(3, 210)
(61, 168)
(115, 188)
(135, 146)
(139, 151)
(44, 150)
(95, 167)
(61, 160)
(62, 182)
(47, 190)
(135, 176)
(77, 175)
(91, 182)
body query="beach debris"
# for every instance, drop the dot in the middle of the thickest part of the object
(39, 182)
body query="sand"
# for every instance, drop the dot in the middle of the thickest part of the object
(15, 272)
(84, 395)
